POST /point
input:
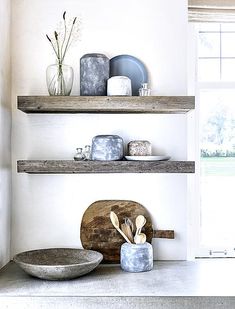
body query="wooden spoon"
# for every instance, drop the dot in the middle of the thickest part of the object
(140, 238)
(139, 222)
(115, 222)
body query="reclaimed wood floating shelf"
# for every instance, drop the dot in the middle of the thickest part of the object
(106, 104)
(168, 234)
(89, 167)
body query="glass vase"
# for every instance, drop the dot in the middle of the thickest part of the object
(59, 79)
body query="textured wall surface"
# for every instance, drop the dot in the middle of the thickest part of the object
(47, 209)
(5, 132)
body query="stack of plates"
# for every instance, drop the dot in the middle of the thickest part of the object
(147, 158)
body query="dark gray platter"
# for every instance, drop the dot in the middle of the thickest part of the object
(58, 263)
(132, 67)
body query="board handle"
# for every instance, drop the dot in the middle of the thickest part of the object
(168, 234)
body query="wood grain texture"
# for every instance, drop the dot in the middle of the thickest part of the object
(169, 234)
(212, 4)
(105, 104)
(89, 167)
(211, 11)
(97, 232)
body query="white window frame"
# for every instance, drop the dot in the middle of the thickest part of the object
(195, 250)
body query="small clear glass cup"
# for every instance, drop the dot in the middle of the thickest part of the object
(144, 91)
(87, 152)
(79, 156)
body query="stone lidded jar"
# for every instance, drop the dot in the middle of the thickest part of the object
(94, 73)
(136, 257)
(107, 148)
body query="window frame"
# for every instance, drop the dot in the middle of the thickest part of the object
(195, 249)
(220, 57)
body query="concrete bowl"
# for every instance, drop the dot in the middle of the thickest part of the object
(58, 263)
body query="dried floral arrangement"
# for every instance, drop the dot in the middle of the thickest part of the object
(67, 33)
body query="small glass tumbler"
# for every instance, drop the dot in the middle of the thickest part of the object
(79, 156)
(144, 91)
(87, 152)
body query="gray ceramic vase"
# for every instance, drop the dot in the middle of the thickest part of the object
(107, 148)
(94, 73)
(136, 257)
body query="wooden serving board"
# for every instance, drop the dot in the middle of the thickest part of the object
(97, 232)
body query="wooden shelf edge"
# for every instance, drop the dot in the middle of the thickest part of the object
(106, 104)
(94, 167)
(168, 234)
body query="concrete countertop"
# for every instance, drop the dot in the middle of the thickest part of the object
(202, 277)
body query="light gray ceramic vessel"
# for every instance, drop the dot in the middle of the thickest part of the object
(58, 263)
(94, 73)
(136, 257)
(107, 148)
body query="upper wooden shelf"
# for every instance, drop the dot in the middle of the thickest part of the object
(94, 167)
(106, 104)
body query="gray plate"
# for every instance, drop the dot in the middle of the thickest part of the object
(132, 67)
(59, 263)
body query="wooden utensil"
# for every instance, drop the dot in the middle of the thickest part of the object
(140, 238)
(129, 222)
(139, 222)
(127, 230)
(115, 222)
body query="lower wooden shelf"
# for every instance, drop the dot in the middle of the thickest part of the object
(89, 167)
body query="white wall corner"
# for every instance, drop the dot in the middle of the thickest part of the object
(5, 131)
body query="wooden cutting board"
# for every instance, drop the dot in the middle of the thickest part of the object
(97, 232)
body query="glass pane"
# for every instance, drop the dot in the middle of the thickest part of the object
(228, 27)
(217, 126)
(209, 45)
(209, 27)
(228, 69)
(228, 44)
(209, 69)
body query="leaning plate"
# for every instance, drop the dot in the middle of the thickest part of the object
(147, 158)
(132, 67)
(58, 264)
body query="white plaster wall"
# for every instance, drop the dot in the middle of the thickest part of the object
(5, 132)
(47, 209)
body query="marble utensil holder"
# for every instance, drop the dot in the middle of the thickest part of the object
(119, 85)
(107, 148)
(136, 257)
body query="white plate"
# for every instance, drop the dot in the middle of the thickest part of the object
(147, 158)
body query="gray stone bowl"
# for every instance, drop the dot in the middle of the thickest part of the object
(58, 263)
